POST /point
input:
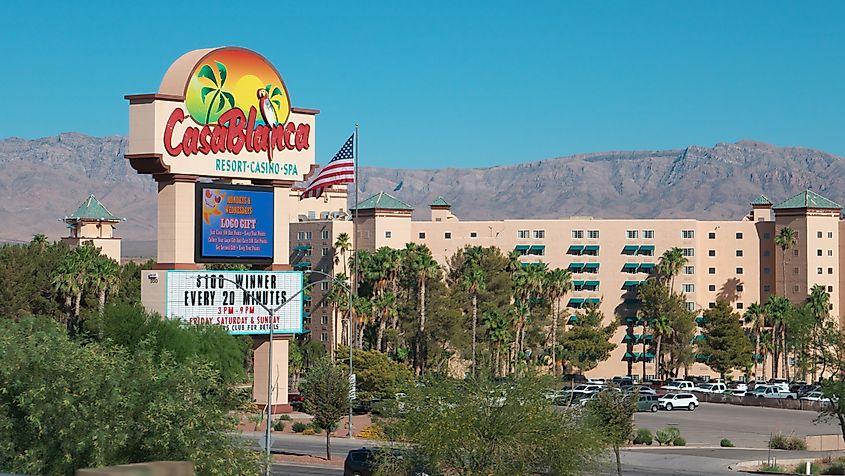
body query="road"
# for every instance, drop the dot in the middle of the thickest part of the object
(746, 427)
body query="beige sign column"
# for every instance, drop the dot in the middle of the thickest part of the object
(176, 213)
(279, 398)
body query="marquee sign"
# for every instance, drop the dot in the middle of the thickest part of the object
(233, 299)
(221, 112)
(234, 224)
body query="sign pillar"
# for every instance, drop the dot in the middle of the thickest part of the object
(176, 210)
(279, 397)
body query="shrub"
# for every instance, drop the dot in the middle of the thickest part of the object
(779, 441)
(815, 468)
(284, 417)
(679, 441)
(309, 432)
(643, 437)
(667, 435)
(726, 443)
(371, 432)
(836, 468)
(771, 468)
(298, 427)
(279, 425)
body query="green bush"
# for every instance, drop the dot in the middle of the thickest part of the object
(298, 427)
(279, 425)
(815, 468)
(666, 436)
(771, 468)
(643, 436)
(836, 468)
(284, 417)
(779, 441)
(726, 443)
(679, 441)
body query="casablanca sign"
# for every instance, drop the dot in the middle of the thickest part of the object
(222, 112)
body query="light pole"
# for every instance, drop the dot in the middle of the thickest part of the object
(272, 311)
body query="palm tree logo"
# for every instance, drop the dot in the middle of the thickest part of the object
(221, 97)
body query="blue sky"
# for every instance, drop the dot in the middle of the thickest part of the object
(470, 84)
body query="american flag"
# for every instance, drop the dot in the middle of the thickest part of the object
(341, 169)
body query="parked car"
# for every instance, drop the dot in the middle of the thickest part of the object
(670, 401)
(584, 387)
(814, 397)
(644, 390)
(679, 385)
(739, 386)
(597, 381)
(778, 392)
(759, 390)
(363, 461)
(711, 388)
(648, 403)
(737, 392)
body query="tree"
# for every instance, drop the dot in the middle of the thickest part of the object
(725, 341)
(423, 267)
(124, 405)
(342, 245)
(377, 375)
(613, 412)
(785, 240)
(587, 343)
(670, 265)
(481, 427)
(499, 330)
(755, 315)
(818, 305)
(558, 283)
(474, 283)
(325, 395)
(779, 309)
(665, 312)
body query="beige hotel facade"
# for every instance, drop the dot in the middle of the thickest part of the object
(732, 260)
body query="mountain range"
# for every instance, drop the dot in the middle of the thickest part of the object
(43, 180)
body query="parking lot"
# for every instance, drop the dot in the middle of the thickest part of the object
(746, 427)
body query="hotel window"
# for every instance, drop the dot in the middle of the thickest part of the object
(796, 233)
(577, 234)
(795, 252)
(324, 285)
(593, 234)
(739, 305)
(300, 235)
(688, 234)
(795, 270)
(632, 234)
(739, 288)
(307, 235)
(795, 289)
(711, 270)
(447, 235)
(711, 288)
(324, 336)
(739, 271)
(819, 234)
(711, 236)
(648, 234)
(767, 288)
(324, 234)
(830, 234)
(422, 235)
(688, 252)
(739, 253)
(711, 252)
(829, 270)
(688, 288)
(539, 234)
(739, 235)
(325, 251)
(819, 252)
(819, 271)
(830, 252)
(711, 305)
(308, 252)
(523, 234)
(689, 269)
(830, 289)
(473, 234)
(387, 234)
(690, 306)
(325, 319)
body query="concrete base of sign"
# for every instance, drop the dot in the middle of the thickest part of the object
(261, 348)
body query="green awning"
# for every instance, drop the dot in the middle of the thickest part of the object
(632, 301)
(591, 266)
(700, 320)
(631, 338)
(592, 301)
(702, 358)
(631, 283)
(577, 283)
(630, 320)
(630, 249)
(629, 356)
(522, 247)
(576, 265)
(307, 297)
(591, 248)
(699, 337)
(647, 356)
(573, 302)
(647, 337)
(575, 249)
(302, 247)
(647, 248)
(537, 248)
(302, 265)
(630, 267)
(591, 283)
(573, 319)
(647, 266)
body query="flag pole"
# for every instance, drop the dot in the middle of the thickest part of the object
(354, 277)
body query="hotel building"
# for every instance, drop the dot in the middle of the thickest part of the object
(732, 260)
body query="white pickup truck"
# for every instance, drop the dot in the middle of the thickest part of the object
(711, 388)
(679, 385)
(778, 392)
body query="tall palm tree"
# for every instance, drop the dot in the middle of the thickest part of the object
(105, 279)
(818, 303)
(779, 309)
(384, 307)
(474, 282)
(529, 285)
(339, 299)
(671, 263)
(342, 245)
(558, 283)
(423, 267)
(661, 327)
(39, 240)
(755, 315)
(785, 240)
(766, 347)
(499, 330)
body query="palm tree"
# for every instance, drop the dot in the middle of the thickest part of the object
(384, 307)
(499, 330)
(105, 279)
(558, 283)
(766, 347)
(342, 245)
(474, 283)
(661, 327)
(785, 240)
(779, 309)
(756, 316)
(339, 299)
(423, 267)
(671, 263)
(818, 303)
(224, 96)
(39, 240)
(528, 282)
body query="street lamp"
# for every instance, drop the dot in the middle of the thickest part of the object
(272, 311)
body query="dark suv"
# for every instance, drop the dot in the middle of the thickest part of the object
(362, 462)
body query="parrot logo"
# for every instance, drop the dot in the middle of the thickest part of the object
(211, 201)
